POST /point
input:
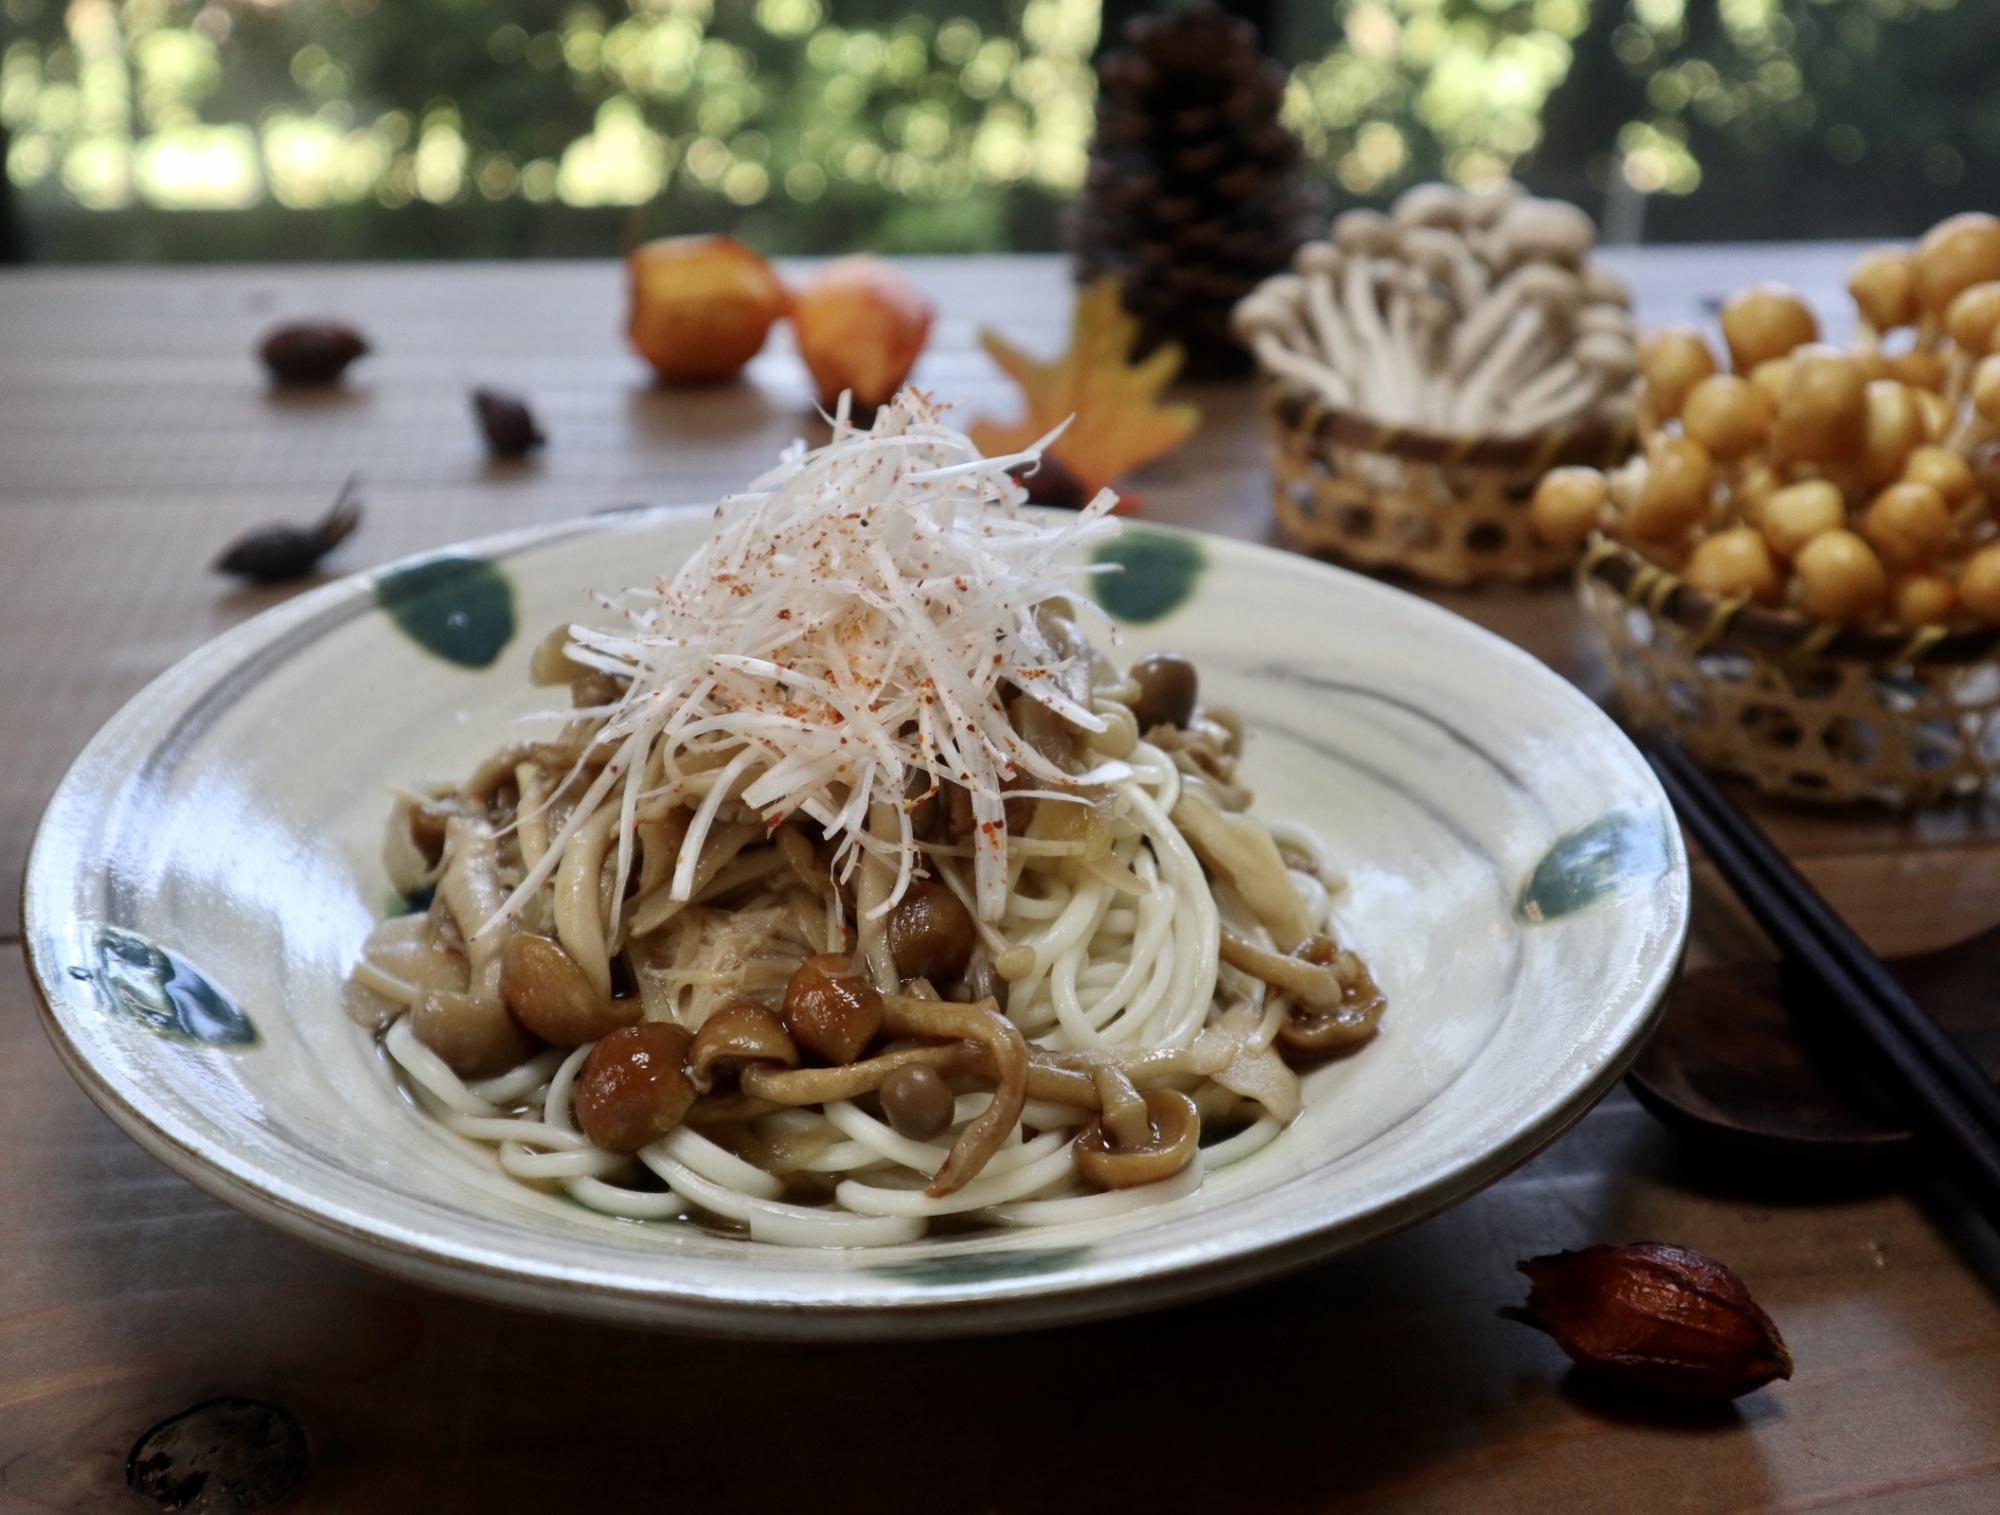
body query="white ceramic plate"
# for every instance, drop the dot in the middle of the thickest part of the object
(209, 868)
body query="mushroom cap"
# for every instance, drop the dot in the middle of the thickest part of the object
(1317, 258)
(1173, 1136)
(1959, 251)
(739, 1032)
(1555, 289)
(1263, 310)
(1882, 286)
(1440, 205)
(1364, 231)
(1609, 353)
(1606, 287)
(1550, 231)
(1486, 203)
(1289, 289)
(1599, 316)
(1435, 249)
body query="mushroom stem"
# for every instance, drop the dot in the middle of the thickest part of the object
(815, 1086)
(1335, 340)
(1378, 384)
(984, 1025)
(1124, 1112)
(1280, 359)
(1475, 398)
(1576, 396)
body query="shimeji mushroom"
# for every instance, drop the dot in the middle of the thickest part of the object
(1463, 310)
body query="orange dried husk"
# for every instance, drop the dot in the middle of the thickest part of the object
(701, 306)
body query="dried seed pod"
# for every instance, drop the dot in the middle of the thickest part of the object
(1655, 1317)
(509, 425)
(311, 352)
(274, 554)
(1049, 482)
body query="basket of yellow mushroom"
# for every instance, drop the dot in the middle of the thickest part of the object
(1800, 571)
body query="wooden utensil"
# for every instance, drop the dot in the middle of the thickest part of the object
(1733, 1063)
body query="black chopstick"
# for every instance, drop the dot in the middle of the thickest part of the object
(1839, 939)
(1937, 1085)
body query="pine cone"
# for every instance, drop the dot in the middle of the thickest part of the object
(1192, 196)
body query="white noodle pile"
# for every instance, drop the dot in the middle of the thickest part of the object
(850, 621)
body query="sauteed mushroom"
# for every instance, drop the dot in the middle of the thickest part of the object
(931, 934)
(983, 1024)
(917, 1103)
(550, 995)
(1167, 690)
(633, 1089)
(1152, 1137)
(831, 1008)
(733, 1038)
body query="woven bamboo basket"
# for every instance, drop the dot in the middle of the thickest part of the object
(1449, 510)
(1810, 710)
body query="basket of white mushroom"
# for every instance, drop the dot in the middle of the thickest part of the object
(1425, 368)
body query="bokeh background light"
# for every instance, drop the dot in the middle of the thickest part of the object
(818, 125)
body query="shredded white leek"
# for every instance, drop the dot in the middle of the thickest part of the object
(848, 625)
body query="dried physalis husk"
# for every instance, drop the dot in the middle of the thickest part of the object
(1655, 1317)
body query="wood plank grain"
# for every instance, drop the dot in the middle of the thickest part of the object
(136, 438)
(1380, 1382)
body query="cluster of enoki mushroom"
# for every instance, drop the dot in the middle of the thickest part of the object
(1851, 484)
(1462, 312)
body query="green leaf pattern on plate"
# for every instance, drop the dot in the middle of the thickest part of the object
(1617, 852)
(164, 991)
(1157, 573)
(461, 609)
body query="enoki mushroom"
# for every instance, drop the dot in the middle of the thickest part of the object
(856, 890)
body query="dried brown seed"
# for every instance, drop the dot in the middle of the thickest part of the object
(1655, 1317)
(1049, 482)
(311, 352)
(273, 554)
(509, 425)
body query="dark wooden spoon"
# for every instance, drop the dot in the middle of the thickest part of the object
(1743, 1060)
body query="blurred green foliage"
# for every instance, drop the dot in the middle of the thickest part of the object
(202, 128)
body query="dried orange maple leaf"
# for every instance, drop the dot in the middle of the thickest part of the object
(1118, 423)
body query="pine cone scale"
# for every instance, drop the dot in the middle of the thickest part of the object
(1191, 194)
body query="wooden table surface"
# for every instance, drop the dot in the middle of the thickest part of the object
(136, 438)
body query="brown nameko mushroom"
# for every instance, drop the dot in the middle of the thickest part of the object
(1168, 688)
(984, 1026)
(916, 1102)
(734, 1037)
(1139, 1138)
(633, 1089)
(931, 935)
(831, 1007)
(550, 995)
